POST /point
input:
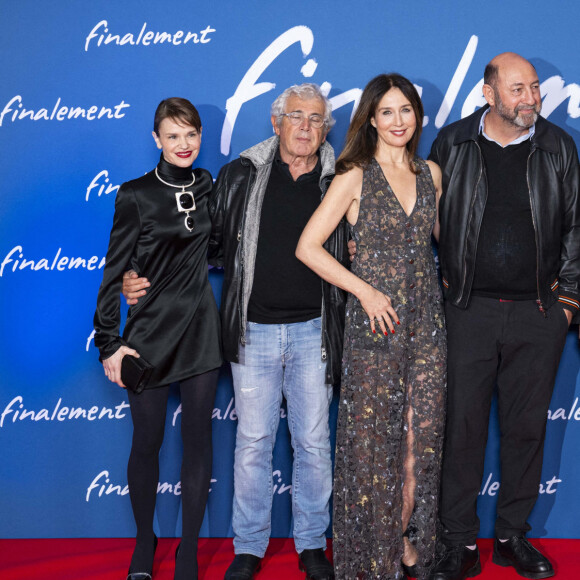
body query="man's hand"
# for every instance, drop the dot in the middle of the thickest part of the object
(352, 249)
(134, 287)
(569, 316)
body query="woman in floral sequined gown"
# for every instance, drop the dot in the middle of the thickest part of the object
(392, 403)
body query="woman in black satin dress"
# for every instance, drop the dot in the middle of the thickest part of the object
(161, 230)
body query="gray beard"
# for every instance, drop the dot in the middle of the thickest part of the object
(524, 122)
(527, 121)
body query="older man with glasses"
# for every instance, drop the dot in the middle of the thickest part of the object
(281, 326)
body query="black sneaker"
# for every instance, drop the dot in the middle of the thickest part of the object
(456, 563)
(316, 565)
(519, 553)
(244, 567)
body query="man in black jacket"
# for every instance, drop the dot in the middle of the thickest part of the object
(282, 326)
(509, 251)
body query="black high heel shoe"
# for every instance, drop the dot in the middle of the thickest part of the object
(190, 567)
(144, 575)
(410, 571)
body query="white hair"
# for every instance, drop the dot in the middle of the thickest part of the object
(305, 91)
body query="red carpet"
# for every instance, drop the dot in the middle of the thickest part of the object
(108, 559)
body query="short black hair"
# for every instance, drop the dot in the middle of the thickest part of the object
(177, 109)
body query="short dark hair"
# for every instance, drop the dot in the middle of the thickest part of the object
(361, 138)
(177, 109)
(490, 74)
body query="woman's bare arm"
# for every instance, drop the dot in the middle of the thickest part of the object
(342, 198)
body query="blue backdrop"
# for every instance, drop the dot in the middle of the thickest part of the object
(80, 83)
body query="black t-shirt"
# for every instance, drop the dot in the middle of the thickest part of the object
(284, 289)
(505, 264)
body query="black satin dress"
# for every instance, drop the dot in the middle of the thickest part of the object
(175, 326)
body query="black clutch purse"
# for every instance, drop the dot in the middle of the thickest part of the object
(135, 373)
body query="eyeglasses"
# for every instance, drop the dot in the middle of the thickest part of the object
(296, 119)
(186, 204)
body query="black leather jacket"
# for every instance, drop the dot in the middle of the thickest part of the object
(235, 211)
(554, 184)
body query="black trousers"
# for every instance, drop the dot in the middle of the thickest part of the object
(513, 345)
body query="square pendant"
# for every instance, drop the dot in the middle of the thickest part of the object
(185, 201)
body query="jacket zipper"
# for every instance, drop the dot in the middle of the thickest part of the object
(241, 315)
(469, 223)
(323, 328)
(239, 290)
(323, 353)
(533, 208)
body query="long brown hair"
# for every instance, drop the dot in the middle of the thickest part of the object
(361, 138)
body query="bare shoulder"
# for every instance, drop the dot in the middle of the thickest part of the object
(435, 170)
(349, 182)
(436, 176)
(351, 177)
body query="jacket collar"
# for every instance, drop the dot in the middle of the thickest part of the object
(543, 138)
(468, 129)
(263, 154)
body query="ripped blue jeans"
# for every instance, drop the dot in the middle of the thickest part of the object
(281, 360)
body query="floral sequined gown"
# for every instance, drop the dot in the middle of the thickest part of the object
(382, 377)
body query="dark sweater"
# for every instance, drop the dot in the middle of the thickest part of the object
(506, 248)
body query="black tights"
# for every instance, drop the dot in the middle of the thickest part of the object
(148, 410)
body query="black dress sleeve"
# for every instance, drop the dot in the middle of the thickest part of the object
(124, 235)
